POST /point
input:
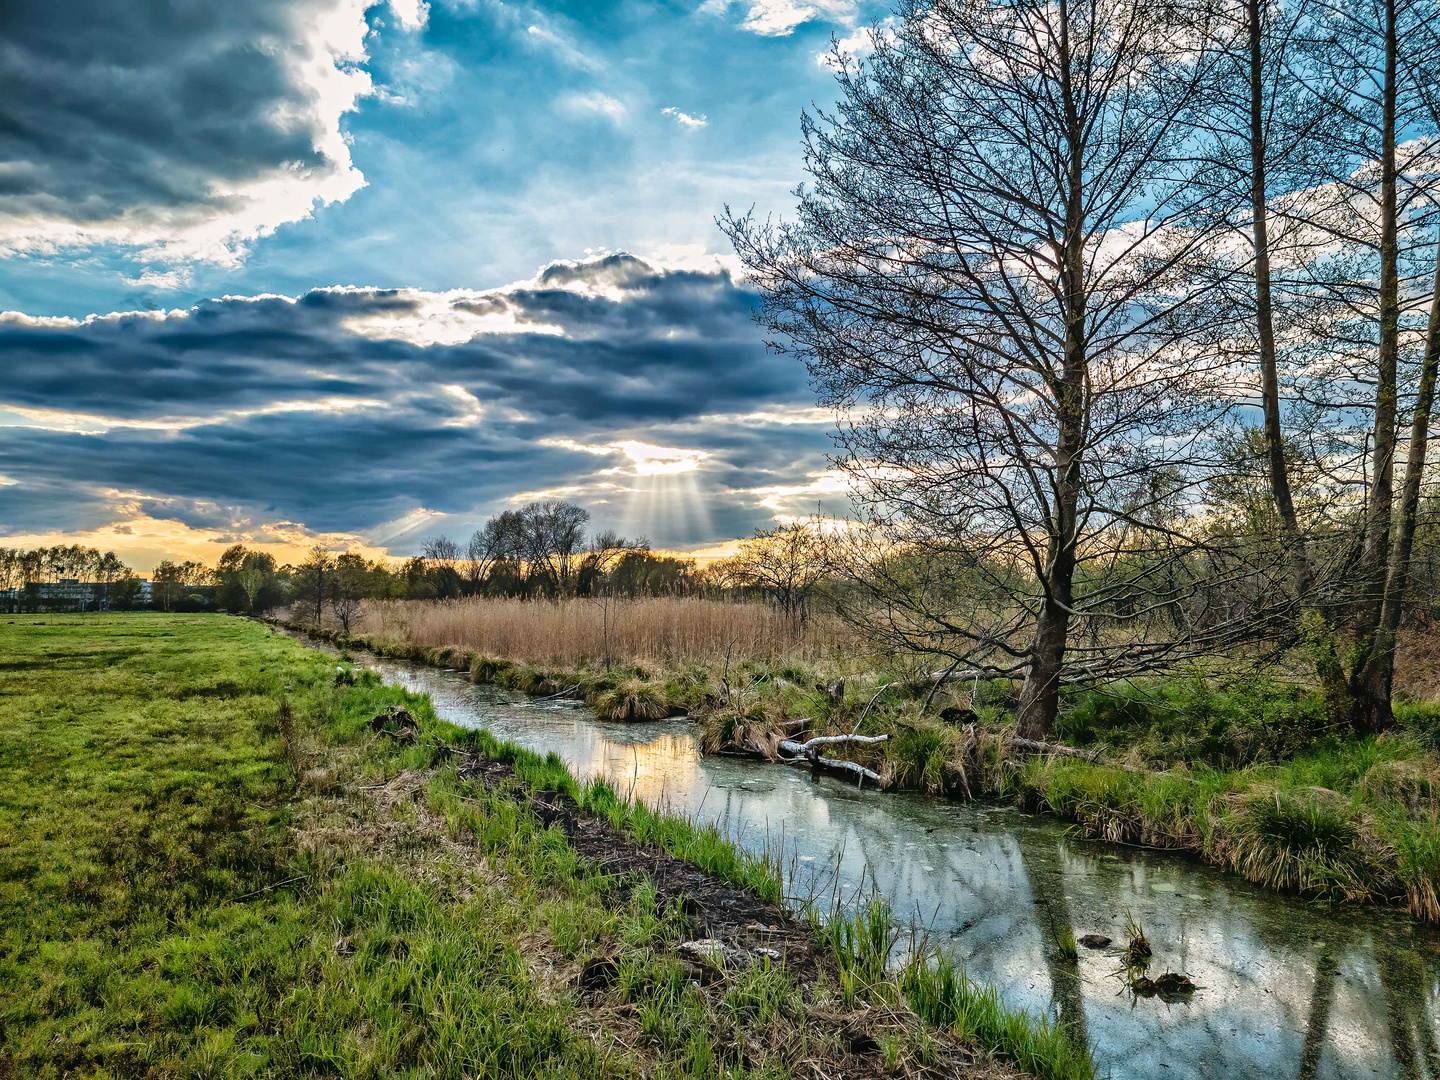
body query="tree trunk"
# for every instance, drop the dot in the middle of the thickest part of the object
(1380, 663)
(1040, 693)
(1370, 713)
(1264, 313)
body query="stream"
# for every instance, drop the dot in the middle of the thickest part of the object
(1285, 989)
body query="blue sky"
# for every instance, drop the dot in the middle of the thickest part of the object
(330, 225)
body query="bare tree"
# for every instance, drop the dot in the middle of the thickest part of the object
(602, 555)
(1267, 133)
(994, 275)
(312, 579)
(553, 536)
(786, 563)
(443, 566)
(352, 582)
(489, 545)
(1374, 65)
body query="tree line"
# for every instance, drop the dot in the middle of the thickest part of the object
(1132, 309)
(541, 551)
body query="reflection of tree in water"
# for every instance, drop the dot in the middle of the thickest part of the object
(1318, 1025)
(1412, 1032)
(1044, 868)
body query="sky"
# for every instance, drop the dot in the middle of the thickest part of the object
(327, 271)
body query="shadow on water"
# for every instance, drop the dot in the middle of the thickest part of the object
(1285, 990)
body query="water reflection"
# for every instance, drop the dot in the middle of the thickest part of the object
(1285, 990)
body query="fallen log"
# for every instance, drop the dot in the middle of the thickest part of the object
(828, 740)
(808, 754)
(854, 768)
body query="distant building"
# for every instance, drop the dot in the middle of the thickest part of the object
(70, 594)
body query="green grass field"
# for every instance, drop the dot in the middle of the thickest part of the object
(157, 917)
(212, 866)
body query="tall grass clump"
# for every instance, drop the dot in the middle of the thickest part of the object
(861, 941)
(632, 699)
(1309, 842)
(919, 756)
(1417, 850)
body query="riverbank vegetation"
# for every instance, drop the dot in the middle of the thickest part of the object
(225, 858)
(1250, 774)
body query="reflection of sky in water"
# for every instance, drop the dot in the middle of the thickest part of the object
(1286, 990)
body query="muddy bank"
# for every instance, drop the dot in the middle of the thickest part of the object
(751, 930)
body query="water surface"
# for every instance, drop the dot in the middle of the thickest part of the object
(1286, 990)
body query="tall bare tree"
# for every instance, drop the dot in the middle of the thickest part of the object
(1374, 65)
(993, 275)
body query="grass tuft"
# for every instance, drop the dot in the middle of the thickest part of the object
(1309, 842)
(632, 700)
(937, 989)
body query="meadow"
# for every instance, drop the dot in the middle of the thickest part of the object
(219, 861)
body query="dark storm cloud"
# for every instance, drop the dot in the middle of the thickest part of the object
(676, 344)
(142, 122)
(332, 411)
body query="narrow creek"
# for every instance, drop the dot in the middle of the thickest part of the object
(1285, 990)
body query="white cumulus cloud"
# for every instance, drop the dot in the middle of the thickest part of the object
(684, 119)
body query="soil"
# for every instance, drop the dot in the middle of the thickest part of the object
(731, 926)
(718, 910)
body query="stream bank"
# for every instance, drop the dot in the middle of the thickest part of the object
(1284, 988)
(1375, 841)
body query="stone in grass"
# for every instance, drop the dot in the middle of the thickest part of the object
(713, 953)
(396, 722)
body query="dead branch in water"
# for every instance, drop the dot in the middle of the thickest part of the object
(808, 753)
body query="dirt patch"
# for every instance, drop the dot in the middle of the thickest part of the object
(719, 911)
(732, 927)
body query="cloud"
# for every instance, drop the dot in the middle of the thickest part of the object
(645, 459)
(179, 132)
(543, 34)
(156, 279)
(411, 14)
(779, 18)
(593, 101)
(685, 119)
(643, 389)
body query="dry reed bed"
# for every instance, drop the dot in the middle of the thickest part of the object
(574, 633)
